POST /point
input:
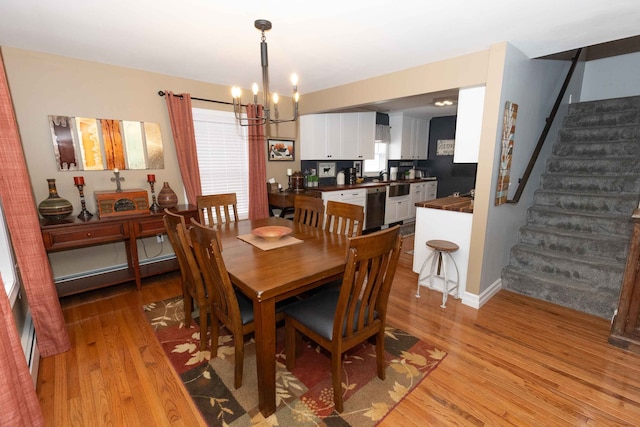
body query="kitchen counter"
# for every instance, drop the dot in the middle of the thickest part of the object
(370, 184)
(458, 204)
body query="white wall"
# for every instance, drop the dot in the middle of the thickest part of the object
(534, 86)
(614, 77)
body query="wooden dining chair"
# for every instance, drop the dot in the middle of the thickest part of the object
(217, 208)
(340, 318)
(308, 210)
(193, 288)
(229, 306)
(344, 218)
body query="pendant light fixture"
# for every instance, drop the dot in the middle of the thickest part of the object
(267, 98)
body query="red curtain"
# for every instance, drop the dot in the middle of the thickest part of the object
(18, 399)
(184, 138)
(24, 228)
(258, 199)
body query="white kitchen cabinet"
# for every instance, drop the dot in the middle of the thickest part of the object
(338, 136)
(397, 209)
(420, 192)
(409, 137)
(356, 196)
(469, 124)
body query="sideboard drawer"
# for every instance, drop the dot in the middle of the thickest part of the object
(149, 226)
(78, 236)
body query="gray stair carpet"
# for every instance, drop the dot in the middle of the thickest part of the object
(573, 249)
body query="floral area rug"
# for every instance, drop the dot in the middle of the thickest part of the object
(304, 396)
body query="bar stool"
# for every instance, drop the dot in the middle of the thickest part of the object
(436, 257)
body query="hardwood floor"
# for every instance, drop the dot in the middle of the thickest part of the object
(516, 361)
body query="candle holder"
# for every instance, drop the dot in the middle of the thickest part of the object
(155, 207)
(84, 214)
(289, 188)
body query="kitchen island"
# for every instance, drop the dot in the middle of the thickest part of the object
(446, 218)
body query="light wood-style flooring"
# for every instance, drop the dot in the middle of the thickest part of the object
(516, 361)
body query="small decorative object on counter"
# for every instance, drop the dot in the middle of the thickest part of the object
(117, 180)
(54, 207)
(155, 207)
(84, 215)
(297, 181)
(167, 198)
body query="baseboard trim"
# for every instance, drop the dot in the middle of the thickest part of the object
(477, 301)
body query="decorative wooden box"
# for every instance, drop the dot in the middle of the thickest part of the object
(126, 202)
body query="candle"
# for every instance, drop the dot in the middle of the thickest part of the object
(116, 170)
(151, 178)
(289, 173)
(78, 180)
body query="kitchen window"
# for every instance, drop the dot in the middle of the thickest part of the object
(372, 167)
(223, 157)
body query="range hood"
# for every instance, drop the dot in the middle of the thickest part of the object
(383, 130)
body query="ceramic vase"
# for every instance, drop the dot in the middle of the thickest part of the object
(167, 198)
(54, 207)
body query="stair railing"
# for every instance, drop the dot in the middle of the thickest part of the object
(522, 182)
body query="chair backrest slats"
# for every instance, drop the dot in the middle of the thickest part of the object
(217, 209)
(208, 253)
(344, 218)
(308, 211)
(371, 264)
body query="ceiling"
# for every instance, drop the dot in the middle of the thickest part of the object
(326, 43)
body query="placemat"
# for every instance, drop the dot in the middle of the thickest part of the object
(266, 245)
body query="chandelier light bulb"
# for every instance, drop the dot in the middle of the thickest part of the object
(294, 80)
(254, 88)
(275, 98)
(296, 97)
(235, 92)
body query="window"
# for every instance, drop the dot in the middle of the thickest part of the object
(374, 166)
(223, 157)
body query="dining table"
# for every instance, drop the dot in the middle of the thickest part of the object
(269, 276)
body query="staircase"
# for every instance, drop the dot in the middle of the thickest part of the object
(573, 249)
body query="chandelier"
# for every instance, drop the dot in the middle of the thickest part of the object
(264, 25)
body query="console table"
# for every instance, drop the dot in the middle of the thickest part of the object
(73, 233)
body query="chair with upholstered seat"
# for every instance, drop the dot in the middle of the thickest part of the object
(344, 218)
(217, 208)
(340, 318)
(229, 306)
(308, 211)
(193, 288)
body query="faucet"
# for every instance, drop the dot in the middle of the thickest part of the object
(381, 175)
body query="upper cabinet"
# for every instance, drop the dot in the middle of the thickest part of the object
(409, 137)
(337, 136)
(469, 124)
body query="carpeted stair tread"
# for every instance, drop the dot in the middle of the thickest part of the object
(598, 148)
(568, 293)
(587, 183)
(580, 222)
(600, 134)
(576, 244)
(623, 203)
(591, 270)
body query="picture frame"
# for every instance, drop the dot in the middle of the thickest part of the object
(281, 150)
(326, 169)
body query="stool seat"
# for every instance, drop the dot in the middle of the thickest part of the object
(443, 245)
(440, 248)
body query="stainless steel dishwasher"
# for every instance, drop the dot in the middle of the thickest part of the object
(376, 201)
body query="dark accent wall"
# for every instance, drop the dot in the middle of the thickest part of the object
(452, 177)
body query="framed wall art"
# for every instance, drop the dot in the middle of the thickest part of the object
(326, 169)
(281, 150)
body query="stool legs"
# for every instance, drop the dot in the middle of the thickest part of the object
(437, 259)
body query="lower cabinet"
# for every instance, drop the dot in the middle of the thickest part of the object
(352, 196)
(397, 209)
(421, 192)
